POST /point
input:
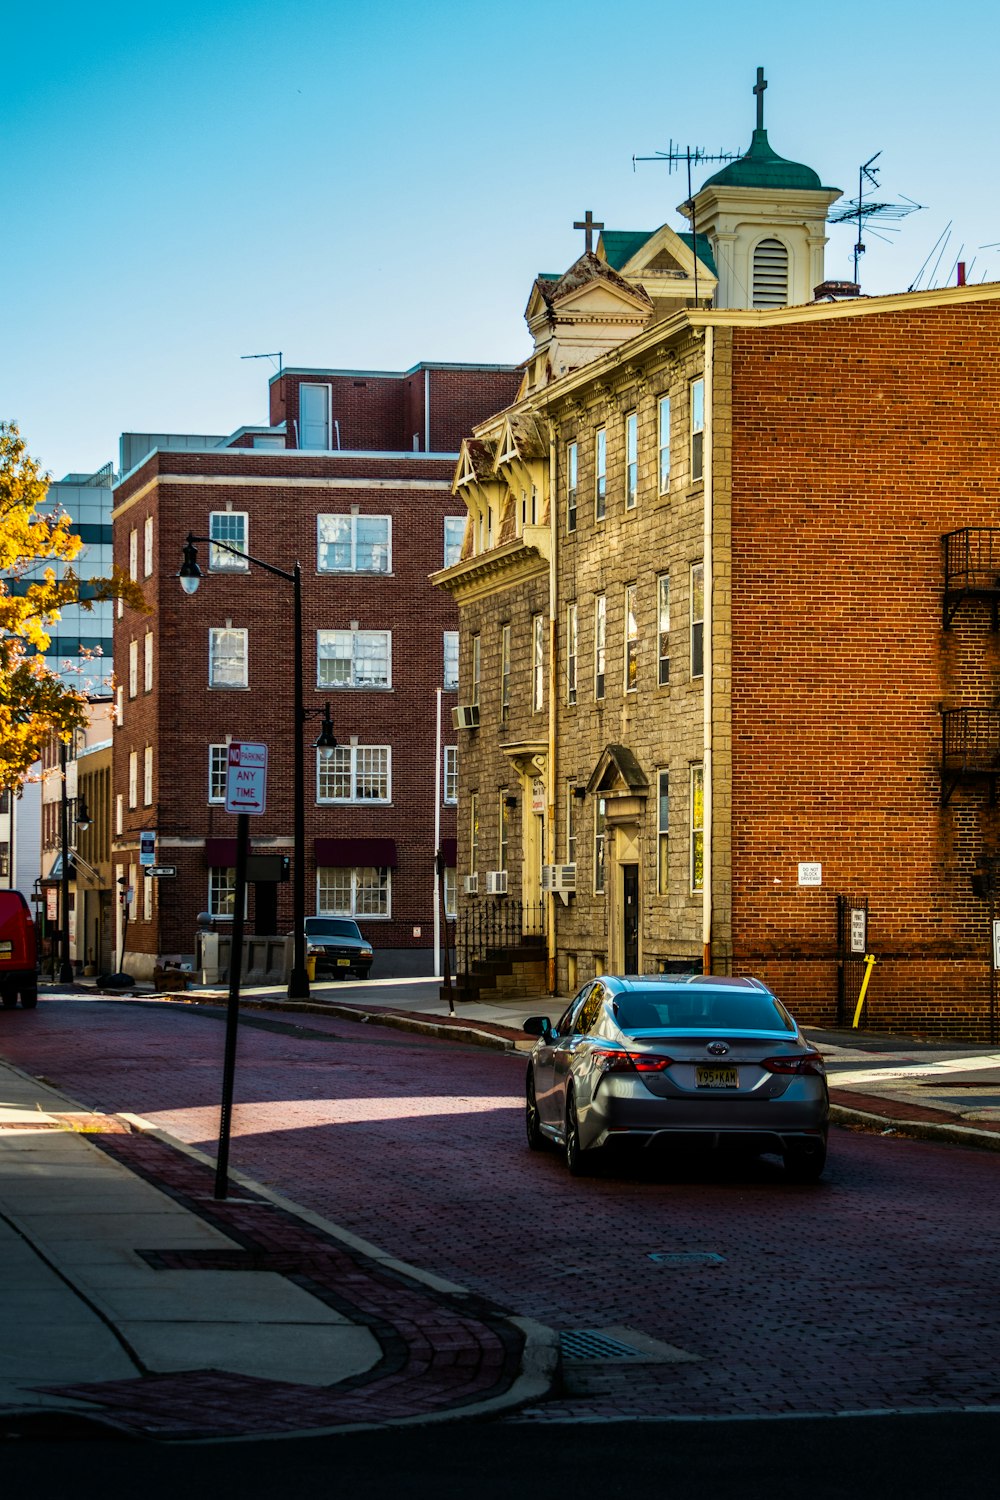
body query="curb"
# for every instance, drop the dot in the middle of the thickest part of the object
(918, 1130)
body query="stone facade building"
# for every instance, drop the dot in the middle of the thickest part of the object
(728, 600)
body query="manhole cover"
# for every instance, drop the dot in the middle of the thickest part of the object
(587, 1343)
(687, 1258)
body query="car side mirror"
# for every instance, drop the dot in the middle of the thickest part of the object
(538, 1026)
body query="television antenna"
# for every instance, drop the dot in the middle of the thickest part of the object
(674, 156)
(276, 355)
(863, 208)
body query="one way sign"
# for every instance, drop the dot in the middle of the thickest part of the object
(246, 778)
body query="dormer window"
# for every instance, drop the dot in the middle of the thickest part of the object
(770, 274)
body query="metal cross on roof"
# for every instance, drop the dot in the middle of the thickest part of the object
(588, 224)
(758, 89)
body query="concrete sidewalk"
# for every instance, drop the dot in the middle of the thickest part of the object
(133, 1298)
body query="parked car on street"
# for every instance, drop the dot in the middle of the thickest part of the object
(338, 947)
(18, 960)
(656, 1062)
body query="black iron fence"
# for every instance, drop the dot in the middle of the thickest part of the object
(852, 945)
(493, 923)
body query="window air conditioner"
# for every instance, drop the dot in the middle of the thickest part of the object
(496, 882)
(465, 716)
(559, 878)
(471, 885)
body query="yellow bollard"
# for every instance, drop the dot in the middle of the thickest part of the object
(869, 965)
(311, 968)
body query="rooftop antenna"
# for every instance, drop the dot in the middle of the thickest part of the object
(862, 208)
(675, 154)
(276, 355)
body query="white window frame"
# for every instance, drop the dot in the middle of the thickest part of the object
(662, 832)
(232, 526)
(631, 642)
(477, 667)
(218, 772)
(133, 779)
(147, 547)
(147, 776)
(572, 476)
(222, 892)
(329, 641)
(697, 401)
(697, 609)
(697, 827)
(230, 638)
(537, 663)
(600, 646)
(663, 456)
(133, 554)
(147, 662)
(362, 891)
(663, 630)
(119, 815)
(148, 885)
(450, 892)
(631, 459)
(572, 651)
(358, 766)
(453, 545)
(449, 667)
(449, 779)
(381, 551)
(133, 668)
(504, 673)
(600, 473)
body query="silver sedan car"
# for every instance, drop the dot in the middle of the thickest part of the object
(653, 1061)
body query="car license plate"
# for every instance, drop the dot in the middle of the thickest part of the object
(344, 961)
(717, 1078)
(6, 948)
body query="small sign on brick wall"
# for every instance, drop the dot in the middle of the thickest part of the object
(810, 874)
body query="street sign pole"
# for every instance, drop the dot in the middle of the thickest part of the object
(233, 1007)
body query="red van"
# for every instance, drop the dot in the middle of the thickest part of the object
(18, 964)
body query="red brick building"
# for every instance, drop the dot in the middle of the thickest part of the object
(352, 481)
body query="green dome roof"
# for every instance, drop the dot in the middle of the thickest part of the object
(763, 168)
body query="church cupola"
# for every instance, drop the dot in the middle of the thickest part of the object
(765, 219)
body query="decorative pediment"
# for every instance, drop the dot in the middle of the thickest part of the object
(618, 773)
(475, 464)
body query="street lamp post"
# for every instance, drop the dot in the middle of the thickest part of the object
(66, 975)
(190, 577)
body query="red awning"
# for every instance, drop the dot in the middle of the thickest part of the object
(351, 853)
(220, 853)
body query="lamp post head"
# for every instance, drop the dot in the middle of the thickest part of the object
(326, 739)
(82, 814)
(190, 573)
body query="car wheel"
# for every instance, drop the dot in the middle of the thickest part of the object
(532, 1124)
(579, 1162)
(29, 996)
(805, 1161)
(8, 999)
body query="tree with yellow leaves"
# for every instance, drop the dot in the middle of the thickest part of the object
(34, 702)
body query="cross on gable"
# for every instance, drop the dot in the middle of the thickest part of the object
(758, 89)
(588, 224)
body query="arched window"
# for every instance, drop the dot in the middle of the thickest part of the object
(770, 274)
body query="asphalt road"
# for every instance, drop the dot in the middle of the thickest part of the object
(717, 1289)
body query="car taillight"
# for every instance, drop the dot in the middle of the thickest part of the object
(809, 1062)
(612, 1061)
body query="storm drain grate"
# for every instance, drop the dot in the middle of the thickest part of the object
(587, 1343)
(687, 1258)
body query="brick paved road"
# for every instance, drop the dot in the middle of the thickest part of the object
(874, 1290)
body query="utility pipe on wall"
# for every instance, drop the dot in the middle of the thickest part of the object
(550, 789)
(706, 895)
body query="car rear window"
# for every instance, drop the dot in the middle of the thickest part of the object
(730, 1010)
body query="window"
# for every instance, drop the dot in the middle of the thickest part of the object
(631, 459)
(5, 859)
(133, 554)
(147, 776)
(572, 453)
(663, 418)
(354, 773)
(360, 892)
(537, 662)
(133, 778)
(697, 429)
(697, 619)
(504, 673)
(354, 544)
(570, 823)
(147, 664)
(600, 641)
(451, 774)
(218, 769)
(474, 832)
(571, 651)
(314, 416)
(354, 658)
(599, 846)
(504, 826)
(230, 527)
(600, 474)
(148, 886)
(147, 546)
(450, 893)
(697, 828)
(119, 816)
(449, 680)
(631, 639)
(227, 658)
(119, 706)
(770, 274)
(477, 663)
(454, 535)
(133, 668)
(222, 891)
(663, 629)
(662, 831)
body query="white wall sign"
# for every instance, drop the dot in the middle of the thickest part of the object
(859, 929)
(147, 847)
(246, 778)
(996, 944)
(810, 874)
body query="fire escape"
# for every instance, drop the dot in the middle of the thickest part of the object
(970, 737)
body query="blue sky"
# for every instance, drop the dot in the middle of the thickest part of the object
(189, 183)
